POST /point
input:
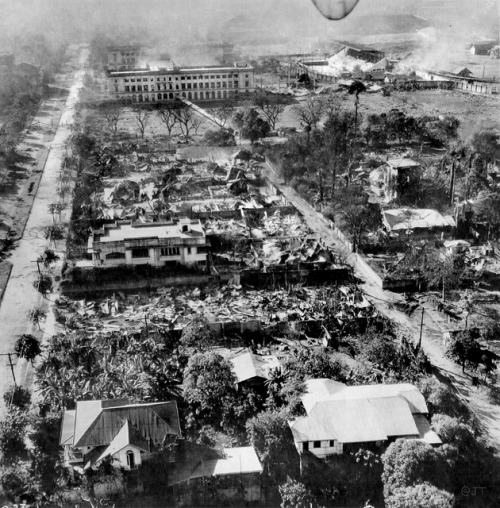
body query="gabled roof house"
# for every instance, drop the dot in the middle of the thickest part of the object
(124, 432)
(340, 415)
(249, 367)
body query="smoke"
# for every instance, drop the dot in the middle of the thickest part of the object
(181, 28)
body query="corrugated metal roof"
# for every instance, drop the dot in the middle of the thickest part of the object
(326, 389)
(99, 426)
(348, 421)
(356, 421)
(395, 416)
(248, 365)
(127, 436)
(85, 415)
(425, 431)
(413, 218)
(67, 427)
(402, 162)
(356, 414)
(242, 460)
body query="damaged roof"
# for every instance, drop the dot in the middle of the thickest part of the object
(248, 366)
(98, 422)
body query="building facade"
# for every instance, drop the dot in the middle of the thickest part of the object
(191, 83)
(121, 58)
(181, 241)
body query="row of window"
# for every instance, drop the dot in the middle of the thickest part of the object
(183, 78)
(184, 95)
(317, 444)
(143, 252)
(145, 88)
(170, 251)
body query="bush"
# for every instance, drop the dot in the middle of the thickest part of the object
(12, 434)
(43, 284)
(441, 399)
(17, 396)
(222, 137)
(296, 495)
(420, 495)
(409, 461)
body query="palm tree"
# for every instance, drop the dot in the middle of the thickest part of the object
(37, 315)
(28, 347)
(47, 259)
(276, 380)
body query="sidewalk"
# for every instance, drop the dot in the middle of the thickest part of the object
(20, 295)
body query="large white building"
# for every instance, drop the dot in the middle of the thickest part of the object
(342, 418)
(121, 58)
(181, 241)
(191, 83)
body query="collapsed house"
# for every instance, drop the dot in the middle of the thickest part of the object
(341, 418)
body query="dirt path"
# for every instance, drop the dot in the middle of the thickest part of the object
(20, 296)
(434, 324)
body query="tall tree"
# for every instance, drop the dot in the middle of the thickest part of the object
(209, 390)
(271, 106)
(251, 125)
(224, 112)
(141, 117)
(111, 112)
(360, 216)
(166, 114)
(310, 111)
(186, 118)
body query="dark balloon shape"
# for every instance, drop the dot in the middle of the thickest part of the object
(335, 9)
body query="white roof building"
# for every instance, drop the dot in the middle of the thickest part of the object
(411, 219)
(339, 415)
(181, 241)
(248, 366)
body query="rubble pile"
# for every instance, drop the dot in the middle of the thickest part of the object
(175, 307)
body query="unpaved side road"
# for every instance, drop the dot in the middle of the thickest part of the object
(20, 296)
(488, 414)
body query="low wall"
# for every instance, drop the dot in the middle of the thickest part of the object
(312, 328)
(260, 212)
(147, 284)
(269, 280)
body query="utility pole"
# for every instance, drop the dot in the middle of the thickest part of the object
(421, 329)
(11, 366)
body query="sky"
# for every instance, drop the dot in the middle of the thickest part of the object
(194, 19)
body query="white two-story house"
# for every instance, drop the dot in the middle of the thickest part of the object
(180, 241)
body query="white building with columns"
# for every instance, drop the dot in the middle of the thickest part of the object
(191, 83)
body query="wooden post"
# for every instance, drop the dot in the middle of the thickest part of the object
(421, 329)
(12, 368)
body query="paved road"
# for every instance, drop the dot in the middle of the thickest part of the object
(20, 295)
(433, 326)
